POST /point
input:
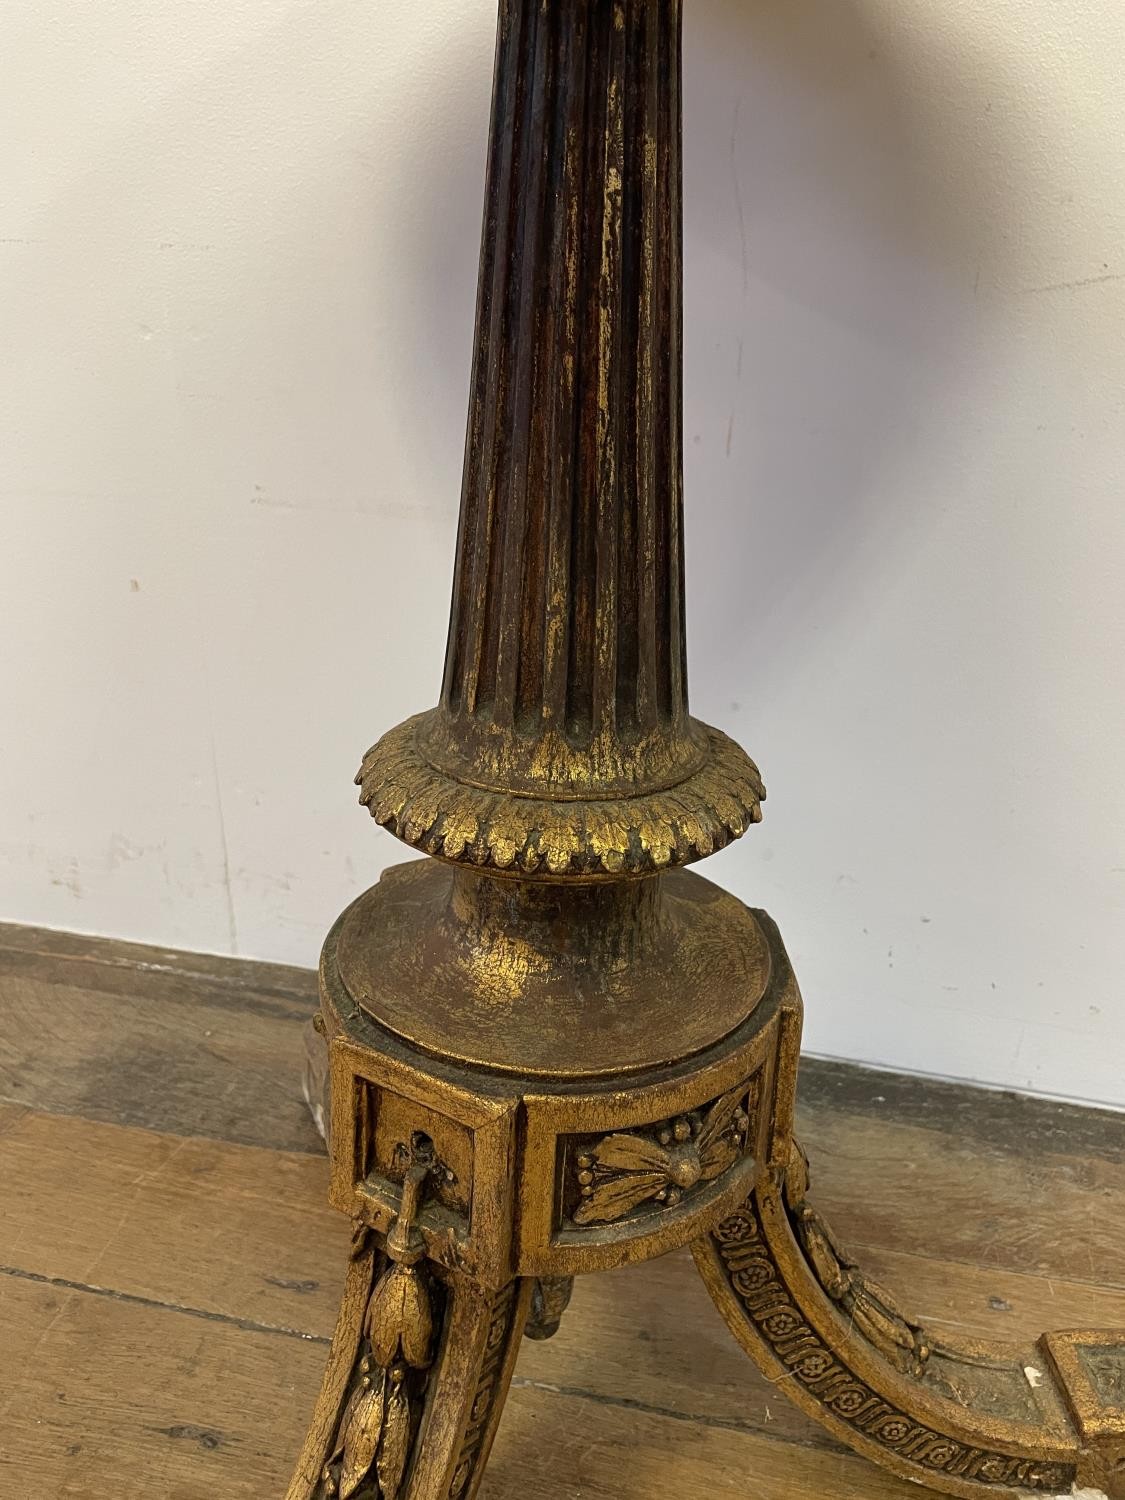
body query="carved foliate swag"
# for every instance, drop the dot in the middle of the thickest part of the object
(376, 1431)
(871, 1310)
(375, 1434)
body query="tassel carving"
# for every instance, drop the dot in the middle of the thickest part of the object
(376, 1431)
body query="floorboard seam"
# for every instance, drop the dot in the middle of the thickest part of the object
(248, 1325)
(697, 1419)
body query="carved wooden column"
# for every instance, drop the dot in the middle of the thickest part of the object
(553, 1049)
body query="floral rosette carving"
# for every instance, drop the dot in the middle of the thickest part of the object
(629, 1169)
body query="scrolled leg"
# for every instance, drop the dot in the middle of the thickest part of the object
(963, 1417)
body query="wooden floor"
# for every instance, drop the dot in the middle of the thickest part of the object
(169, 1269)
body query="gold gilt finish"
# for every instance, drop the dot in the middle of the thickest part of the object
(553, 1050)
(537, 979)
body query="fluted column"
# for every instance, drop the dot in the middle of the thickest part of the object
(565, 660)
(565, 675)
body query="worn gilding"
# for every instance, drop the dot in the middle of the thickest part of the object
(552, 1050)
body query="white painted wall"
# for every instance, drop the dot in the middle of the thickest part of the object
(237, 262)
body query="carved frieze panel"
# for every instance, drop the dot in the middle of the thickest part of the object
(1090, 1366)
(386, 1117)
(615, 1177)
(389, 1126)
(1104, 1368)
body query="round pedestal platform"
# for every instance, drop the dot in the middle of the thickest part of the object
(453, 973)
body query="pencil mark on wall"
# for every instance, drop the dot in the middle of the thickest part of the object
(232, 923)
(1074, 286)
(738, 197)
(66, 875)
(260, 497)
(737, 379)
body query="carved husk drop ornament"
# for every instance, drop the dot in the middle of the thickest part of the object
(553, 1049)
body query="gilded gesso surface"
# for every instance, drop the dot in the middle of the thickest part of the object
(598, 1046)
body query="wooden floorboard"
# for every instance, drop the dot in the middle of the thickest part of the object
(169, 1268)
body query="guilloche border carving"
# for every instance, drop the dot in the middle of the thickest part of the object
(750, 1269)
(488, 1382)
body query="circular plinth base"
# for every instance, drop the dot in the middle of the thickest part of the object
(528, 999)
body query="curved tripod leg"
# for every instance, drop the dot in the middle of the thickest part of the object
(966, 1418)
(416, 1380)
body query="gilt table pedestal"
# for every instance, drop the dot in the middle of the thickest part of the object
(553, 1049)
